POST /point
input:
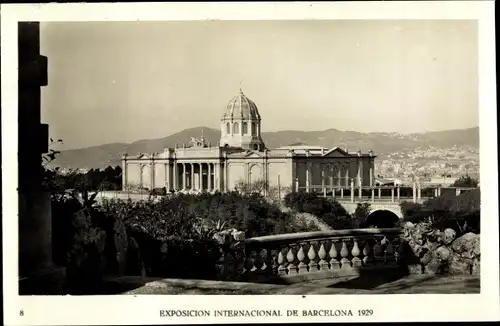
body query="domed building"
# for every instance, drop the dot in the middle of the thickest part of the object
(241, 157)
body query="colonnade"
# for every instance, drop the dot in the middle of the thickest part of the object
(197, 176)
(336, 176)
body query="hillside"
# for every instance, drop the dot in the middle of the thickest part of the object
(380, 143)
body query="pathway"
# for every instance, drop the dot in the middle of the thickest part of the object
(415, 284)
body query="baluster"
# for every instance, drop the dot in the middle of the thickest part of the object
(248, 266)
(311, 254)
(281, 263)
(323, 264)
(301, 256)
(334, 263)
(355, 252)
(344, 252)
(367, 253)
(292, 269)
(259, 262)
(272, 264)
(377, 251)
(389, 253)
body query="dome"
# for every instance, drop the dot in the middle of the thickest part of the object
(241, 107)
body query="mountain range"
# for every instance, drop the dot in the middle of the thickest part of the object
(380, 142)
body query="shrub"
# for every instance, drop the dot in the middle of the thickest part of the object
(325, 209)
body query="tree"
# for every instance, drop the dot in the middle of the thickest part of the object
(466, 181)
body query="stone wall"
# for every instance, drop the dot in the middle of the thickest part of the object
(441, 252)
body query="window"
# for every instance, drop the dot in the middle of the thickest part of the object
(254, 129)
(255, 146)
(228, 128)
(245, 128)
(236, 130)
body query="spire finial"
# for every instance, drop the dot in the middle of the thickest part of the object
(241, 81)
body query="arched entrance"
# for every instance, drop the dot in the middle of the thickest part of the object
(382, 219)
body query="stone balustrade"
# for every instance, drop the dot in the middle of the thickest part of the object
(314, 255)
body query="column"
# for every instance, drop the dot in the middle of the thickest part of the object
(439, 191)
(392, 195)
(419, 192)
(152, 176)
(124, 173)
(339, 177)
(457, 192)
(209, 182)
(184, 176)
(307, 176)
(379, 193)
(200, 177)
(331, 186)
(296, 184)
(371, 175)
(191, 185)
(414, 192)
(397, 189)
(373, 195)
(226, 176)
(175, 176)
(352, 190)
(167, 177)
(347, 176)
(323, 179)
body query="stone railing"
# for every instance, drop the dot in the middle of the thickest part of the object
(313, 255)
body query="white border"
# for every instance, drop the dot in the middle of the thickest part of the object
(144, 310)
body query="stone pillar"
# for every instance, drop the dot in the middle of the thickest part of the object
(347, 176)
(373, 195)
(392, 195)
(184, 176)
(371, 175)
(175, 177)
(419, 192)
(152, 175)
(379, 193)
(209, 182)
(458, 191)
(124, 173)
(200, 177)
(352, 191)
(167, 176)
(296, 184)
(308, 179)
(398, 192)
(226, 176)
(332, 188)
(439, 191)
(342, 193)
(36, 266)
(414, 192)
(191, 185)
(339, 178)
(323, 186)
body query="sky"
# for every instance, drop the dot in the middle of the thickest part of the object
(126, 81)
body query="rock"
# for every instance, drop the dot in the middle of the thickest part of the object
(476, 267)
(426, 258)
(458, 266)
(443, 253)
(431, 245)
(464, 243)
(415, 269)
(434, 266)
(409, 225)
(476, 247)
(449, 236)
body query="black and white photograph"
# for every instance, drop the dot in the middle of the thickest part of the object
(324, 158)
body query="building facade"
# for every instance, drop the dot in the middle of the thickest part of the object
(241, 156)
